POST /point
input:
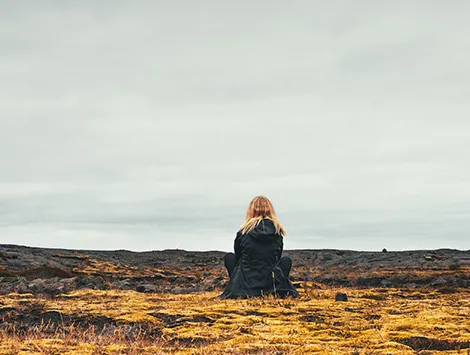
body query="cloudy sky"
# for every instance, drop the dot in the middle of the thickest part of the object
(148, 125)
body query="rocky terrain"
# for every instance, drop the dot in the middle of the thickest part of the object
(55, 301)
(57, 271)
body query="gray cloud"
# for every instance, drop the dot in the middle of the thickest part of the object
(151, 125)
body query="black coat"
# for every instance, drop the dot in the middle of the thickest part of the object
(257, 271)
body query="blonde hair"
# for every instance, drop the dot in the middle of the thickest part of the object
(260, 207)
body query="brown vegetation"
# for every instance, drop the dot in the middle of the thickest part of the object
(372, 321)
(120, 302)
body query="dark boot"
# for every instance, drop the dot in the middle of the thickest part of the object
(285, 263)
(230, 261)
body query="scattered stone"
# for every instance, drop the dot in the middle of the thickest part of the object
(207, 285)
(125, 284)
(159, 276)
(52, 317)
(219, 282)
(84, 282)
(37, 285)
(177, 290)
(146, 288)
(386, 283)
(341, 297)
(384, 250)
(94, 283)
(440, 281)
(22, 286)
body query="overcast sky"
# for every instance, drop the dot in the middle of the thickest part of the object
(148, 125)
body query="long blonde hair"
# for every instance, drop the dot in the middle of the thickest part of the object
(260, 207)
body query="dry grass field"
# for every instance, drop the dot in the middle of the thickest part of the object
(372, 321)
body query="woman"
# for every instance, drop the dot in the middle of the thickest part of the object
(257, 268)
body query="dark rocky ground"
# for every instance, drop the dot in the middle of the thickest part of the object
(54, 271)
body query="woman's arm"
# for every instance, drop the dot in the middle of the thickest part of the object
(281, 244)
(237, 246)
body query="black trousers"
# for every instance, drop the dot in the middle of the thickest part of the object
(230, 260)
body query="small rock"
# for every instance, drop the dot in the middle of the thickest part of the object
(207, 284)
(193, 289)
(177, 290)
(386, 283)
(384, 250)
(184, 279)
(159, 276)
(22, 286)
(146, 288)
(54, 286)
(125, 284)
(219, 282)
(83, 282)
(52, 317)
(439, 281)
(185, 290)
(37, 285)
(341, 297)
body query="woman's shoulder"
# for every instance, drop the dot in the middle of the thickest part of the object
(267, 221)
(271, 225)
(265, 226)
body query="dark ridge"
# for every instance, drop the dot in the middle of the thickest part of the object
(54, 271)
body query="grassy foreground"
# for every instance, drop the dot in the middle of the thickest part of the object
(372, 321)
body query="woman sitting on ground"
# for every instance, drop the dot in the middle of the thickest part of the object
(257, 268)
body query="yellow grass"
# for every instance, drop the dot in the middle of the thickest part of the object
(373, 321)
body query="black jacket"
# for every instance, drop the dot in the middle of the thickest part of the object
(257, 271)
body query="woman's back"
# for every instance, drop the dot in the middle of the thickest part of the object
(258, 251)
